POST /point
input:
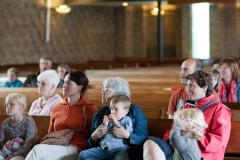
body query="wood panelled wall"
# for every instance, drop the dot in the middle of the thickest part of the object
(105, 32)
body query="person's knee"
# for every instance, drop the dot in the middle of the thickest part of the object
(81, 155)
(148, 144)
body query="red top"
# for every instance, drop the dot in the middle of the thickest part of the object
(65, 117)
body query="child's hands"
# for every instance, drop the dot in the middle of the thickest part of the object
(113, 117)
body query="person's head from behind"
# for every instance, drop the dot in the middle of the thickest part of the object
(119, 106)
(62, 69)
(192, 122)
(114, 86)
(216, 77)
(228, 69)
(15, 103)
(45, 63)
(47, 82)
(75, 82)
(12, 74)
(199, 85)
(188, 67)
(215, 63)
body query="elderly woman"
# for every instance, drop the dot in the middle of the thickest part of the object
(115, 86)
(217, 117)
(47, 84)
(230, 85)
(74, 112)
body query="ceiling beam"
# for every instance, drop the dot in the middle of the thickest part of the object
(197, 1)
(98, 1)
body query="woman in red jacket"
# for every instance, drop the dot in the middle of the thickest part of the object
(74, 112)
(217, 115)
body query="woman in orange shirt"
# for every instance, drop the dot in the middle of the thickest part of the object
(68, 114)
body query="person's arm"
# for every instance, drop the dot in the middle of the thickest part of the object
(172, 106)
(177, 140)
(31, 131)
(27, 82)
(218, 132)
(140, 132)
(96, 131)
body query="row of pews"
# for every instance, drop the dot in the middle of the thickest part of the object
(151, 88)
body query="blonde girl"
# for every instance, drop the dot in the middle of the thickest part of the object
(19, 126)
(189, 126)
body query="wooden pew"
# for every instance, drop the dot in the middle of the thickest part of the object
(156, 127)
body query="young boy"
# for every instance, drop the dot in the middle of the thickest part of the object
(109, 144)
(13, 82)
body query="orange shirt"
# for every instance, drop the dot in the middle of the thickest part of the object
(66, 117)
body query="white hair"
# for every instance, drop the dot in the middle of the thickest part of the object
(50, 77)
(120, 86)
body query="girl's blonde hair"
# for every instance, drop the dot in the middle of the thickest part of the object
(20, 99)
(194, 121)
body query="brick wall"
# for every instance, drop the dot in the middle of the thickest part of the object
(105, 32)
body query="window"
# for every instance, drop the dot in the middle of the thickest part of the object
(200, 31)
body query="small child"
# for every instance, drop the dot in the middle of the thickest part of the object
(13, 81)
(216, 76)
(109, 144)
(62, 70)
(19, 126)
(189, 126)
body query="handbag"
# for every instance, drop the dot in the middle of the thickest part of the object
(62, 137)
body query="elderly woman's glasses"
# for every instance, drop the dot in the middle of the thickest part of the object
(41, 83)
(105, 89)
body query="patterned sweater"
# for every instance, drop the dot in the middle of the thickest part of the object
(26, 130)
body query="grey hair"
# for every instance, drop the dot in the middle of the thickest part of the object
(49, 76)
(120, 86)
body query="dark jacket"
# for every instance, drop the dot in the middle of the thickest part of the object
(31, 80)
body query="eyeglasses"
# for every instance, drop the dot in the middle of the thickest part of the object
(41, 83)
(105, 89)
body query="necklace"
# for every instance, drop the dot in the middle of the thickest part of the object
(43, 103)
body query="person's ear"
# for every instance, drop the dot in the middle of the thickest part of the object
(205, 88)
(80, 87)
(126, 111)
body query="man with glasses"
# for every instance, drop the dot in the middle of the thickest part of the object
(45, 63)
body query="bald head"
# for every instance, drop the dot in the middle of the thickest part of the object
(188, 67)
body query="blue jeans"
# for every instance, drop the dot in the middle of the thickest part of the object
(100, 154)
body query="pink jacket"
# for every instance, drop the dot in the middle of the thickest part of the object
(36, 105)
(215, 140)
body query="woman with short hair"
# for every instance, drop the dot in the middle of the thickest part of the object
(47, 84)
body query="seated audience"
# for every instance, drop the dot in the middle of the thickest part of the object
(13, 82)
(45, 63)
(230, 86)
(115, 86)
(47, 84)
(109, 144)
(216, 114)
(62, 69)
(19, 126)
(74, 112)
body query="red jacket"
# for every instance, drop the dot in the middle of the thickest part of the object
(218, 118)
